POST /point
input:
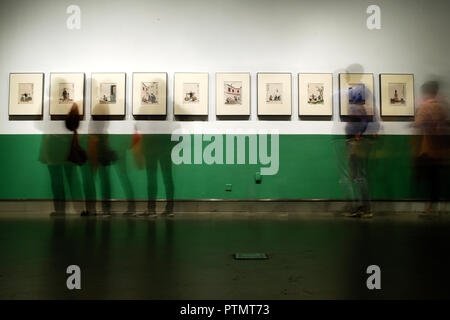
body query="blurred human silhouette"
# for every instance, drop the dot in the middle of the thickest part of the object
(63, 154)
(431, 145)
(102, 157)
(77, 154)
(361, 127)
(122, 172)
(157, 150)
(54, 153)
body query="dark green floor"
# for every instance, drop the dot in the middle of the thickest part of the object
(190, 257)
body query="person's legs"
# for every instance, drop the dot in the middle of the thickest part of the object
(73, 180)
(364, 190)
(166, 169)
(353, 184)
(359, 183)
(105, 182)
(57, 185)
(151, 185)
(121, 169)
(435, 174)
(427, 178)
(90, 194)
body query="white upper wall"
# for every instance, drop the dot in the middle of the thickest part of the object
(191, 36)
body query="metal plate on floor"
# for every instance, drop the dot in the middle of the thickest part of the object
(250, 256)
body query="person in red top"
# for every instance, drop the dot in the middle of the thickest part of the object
(431, 147)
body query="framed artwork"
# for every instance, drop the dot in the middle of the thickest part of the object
(232, 94)
(315, 94)
(190, 94)
(26, 92)
(149, 93)
(356, 93)
(108, 94)
(65, 90)
(274, 94)
(397, 94)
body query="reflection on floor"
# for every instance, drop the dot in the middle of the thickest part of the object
(191, 256)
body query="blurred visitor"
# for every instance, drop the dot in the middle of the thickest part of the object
(358, 149)
(157, 150)
(431, 144)
(361, 128)
(63, 155)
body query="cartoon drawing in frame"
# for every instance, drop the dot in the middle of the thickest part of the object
(191, 92)
(274, 93)
(233, 92)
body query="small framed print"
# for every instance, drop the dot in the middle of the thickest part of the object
(65, 90)
(26, 94)
(149, 93)
(108, 94)
(315, 94)
(190, 94)
(397, 94)
(274, 94)
(356, 93)
(232, 94)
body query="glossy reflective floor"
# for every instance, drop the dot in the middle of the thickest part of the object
(190, 256)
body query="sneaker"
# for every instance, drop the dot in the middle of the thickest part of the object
(353, 214)
(150, 214)
(168, 214)
(366, 215)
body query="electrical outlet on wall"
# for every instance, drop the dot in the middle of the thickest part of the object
(228, 187)
(258, 177)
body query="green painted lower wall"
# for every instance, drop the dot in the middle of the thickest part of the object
(310, 167)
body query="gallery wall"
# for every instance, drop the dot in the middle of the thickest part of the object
(310, 167)
(220, 36)
(318, 36)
